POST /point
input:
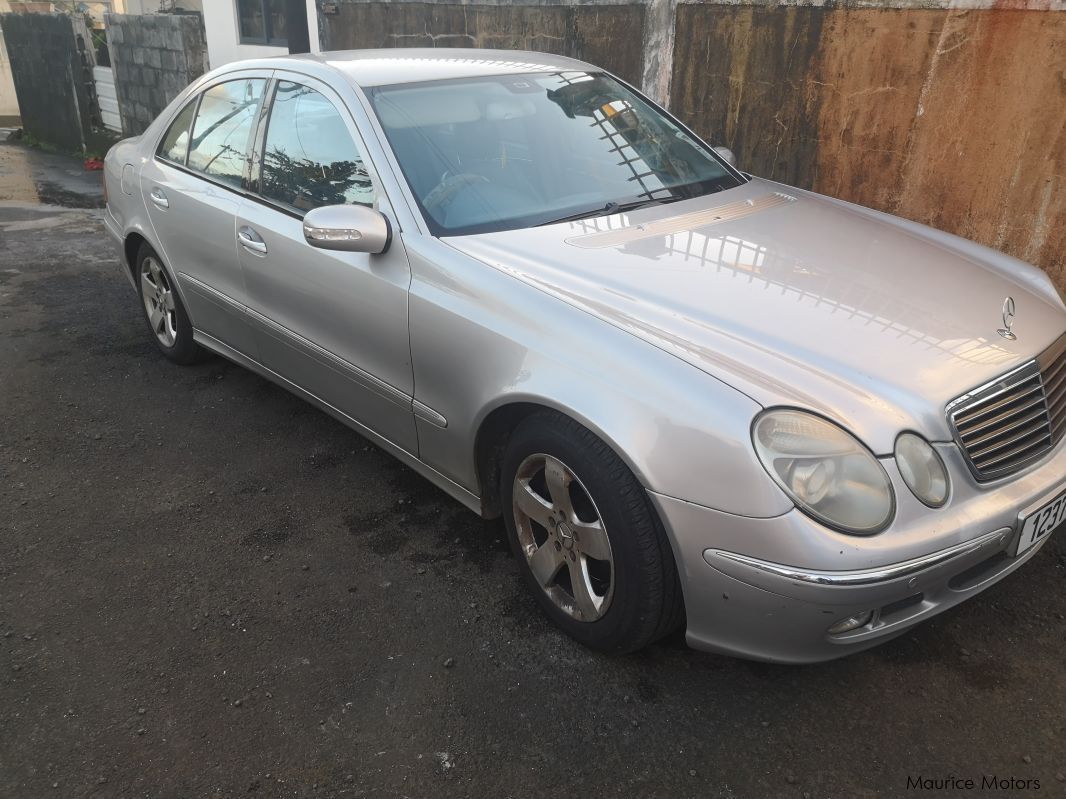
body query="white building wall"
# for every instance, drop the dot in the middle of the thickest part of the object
(223, 37)
(9, 104)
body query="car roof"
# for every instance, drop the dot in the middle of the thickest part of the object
(413, 65)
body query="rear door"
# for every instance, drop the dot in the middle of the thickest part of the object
(193, 190)
(333, 323)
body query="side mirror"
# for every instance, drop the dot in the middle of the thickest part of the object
(349, 228)
(726, 155)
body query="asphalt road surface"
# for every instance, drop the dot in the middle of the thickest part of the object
(208, 588)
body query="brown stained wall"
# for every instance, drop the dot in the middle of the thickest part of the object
(609, 36)
(741, 79)
(952, 118)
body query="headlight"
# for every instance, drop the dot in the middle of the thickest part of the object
(922, 469)
(826, 471)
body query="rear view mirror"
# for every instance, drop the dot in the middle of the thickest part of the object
(349, 228)
(726, 155)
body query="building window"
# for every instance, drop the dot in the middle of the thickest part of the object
(262, 22)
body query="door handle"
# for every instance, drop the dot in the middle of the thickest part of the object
(159, 198)
(251, 240)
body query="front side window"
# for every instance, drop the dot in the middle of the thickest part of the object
(220, 133)
(513, 151)
(309, 157)
(175, 142)
(262, 22)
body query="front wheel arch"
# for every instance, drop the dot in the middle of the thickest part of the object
(643, 578)
(489, 445)
(491, 441)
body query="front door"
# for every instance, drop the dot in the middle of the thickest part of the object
(333, 323)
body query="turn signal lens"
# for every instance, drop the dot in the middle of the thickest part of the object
(922, 469)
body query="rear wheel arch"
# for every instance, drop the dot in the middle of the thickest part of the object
(131, 248)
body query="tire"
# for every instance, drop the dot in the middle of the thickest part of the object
(164, 313)
(616, 598)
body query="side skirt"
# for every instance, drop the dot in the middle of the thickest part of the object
(453, 489)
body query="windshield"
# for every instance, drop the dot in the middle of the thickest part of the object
(514, 151)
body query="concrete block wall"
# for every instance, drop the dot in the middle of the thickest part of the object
(154, 58)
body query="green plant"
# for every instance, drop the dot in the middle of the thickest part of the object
(38, 144)
(97, 146)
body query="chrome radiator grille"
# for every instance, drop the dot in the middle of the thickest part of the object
(1014, 420)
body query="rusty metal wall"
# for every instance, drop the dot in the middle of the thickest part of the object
(952, 117)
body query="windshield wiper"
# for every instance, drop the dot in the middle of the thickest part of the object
(610, 208)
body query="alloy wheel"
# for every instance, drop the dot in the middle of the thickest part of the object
(562, 535)
(158, 299)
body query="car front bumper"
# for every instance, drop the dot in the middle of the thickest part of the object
(770, 588)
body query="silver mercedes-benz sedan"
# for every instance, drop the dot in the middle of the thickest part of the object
(796, 426)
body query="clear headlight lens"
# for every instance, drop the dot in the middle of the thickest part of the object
(922, 469)
(826, 471)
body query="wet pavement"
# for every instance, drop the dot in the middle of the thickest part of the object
(209, 588)
(33, 176)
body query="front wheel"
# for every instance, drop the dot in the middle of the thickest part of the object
(589, 542)
(163, 309)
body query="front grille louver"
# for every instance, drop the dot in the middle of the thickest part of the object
(1006, 425)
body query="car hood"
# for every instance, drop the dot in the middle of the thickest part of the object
(793, 299)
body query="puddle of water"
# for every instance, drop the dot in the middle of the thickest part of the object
(52, 194)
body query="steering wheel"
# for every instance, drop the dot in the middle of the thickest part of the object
(450, 185)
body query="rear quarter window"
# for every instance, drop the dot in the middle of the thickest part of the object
(174, 145)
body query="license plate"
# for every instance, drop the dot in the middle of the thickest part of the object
(1036, 526)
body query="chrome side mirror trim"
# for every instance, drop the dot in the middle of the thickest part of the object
(348, 228)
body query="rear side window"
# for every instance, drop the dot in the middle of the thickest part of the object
(309, 157)
(175, 143)
(220, 134)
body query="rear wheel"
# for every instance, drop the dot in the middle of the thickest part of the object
(163, 309)
(588, 540)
